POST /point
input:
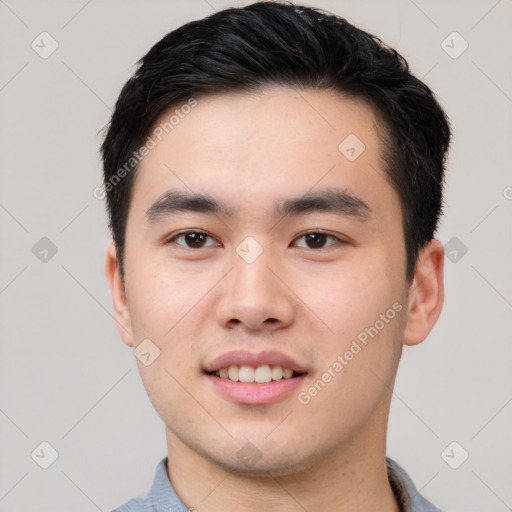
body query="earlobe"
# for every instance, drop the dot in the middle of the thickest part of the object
(426, 293)
(117, 291)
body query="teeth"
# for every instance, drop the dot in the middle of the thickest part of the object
(246, 374)
(233, 372)
(277, 373)
(262, 374)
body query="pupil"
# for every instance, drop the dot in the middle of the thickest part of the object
(316, 239)
(194, 239)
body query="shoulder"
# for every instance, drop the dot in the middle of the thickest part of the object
(410, 499)
(139, 504)
(161, 497)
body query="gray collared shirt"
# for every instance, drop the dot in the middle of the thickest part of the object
(162, 497)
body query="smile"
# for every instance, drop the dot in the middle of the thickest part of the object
(262, 374)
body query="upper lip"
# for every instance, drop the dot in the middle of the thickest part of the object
(254, 359)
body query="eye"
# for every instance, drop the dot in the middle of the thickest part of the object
(317, 240)
(192, 239)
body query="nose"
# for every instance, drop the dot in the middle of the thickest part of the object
(255, 295)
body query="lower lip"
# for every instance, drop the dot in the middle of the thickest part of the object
(256, 394)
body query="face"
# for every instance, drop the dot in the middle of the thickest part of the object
(292, 262)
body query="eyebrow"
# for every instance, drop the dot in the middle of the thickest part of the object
(337, 201)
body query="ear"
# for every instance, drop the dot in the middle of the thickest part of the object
(426, 293)
(116, 285)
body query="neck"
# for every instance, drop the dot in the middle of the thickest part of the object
(352, 478)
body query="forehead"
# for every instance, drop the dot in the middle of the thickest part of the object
(253, 147)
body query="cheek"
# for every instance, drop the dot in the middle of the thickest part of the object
(171, 306)
(350, 297)
(364, 308)
(359, 366)
(158, 297)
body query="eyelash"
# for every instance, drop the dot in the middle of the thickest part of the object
(317, 232)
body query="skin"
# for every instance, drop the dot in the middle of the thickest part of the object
(251, 151)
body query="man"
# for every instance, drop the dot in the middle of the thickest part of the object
(274, 181)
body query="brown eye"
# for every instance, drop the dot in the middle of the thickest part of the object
(317, 240)
(192, 239)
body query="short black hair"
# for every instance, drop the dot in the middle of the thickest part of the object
(271, 43)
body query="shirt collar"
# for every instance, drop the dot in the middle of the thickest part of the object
(409, 499)
(163, 497)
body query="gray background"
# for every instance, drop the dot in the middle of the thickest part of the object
(65, 376)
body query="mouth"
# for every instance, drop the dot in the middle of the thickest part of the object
(255, 378)
(260, 375)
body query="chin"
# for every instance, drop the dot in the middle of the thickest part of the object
(258, 456)
(262, 465)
